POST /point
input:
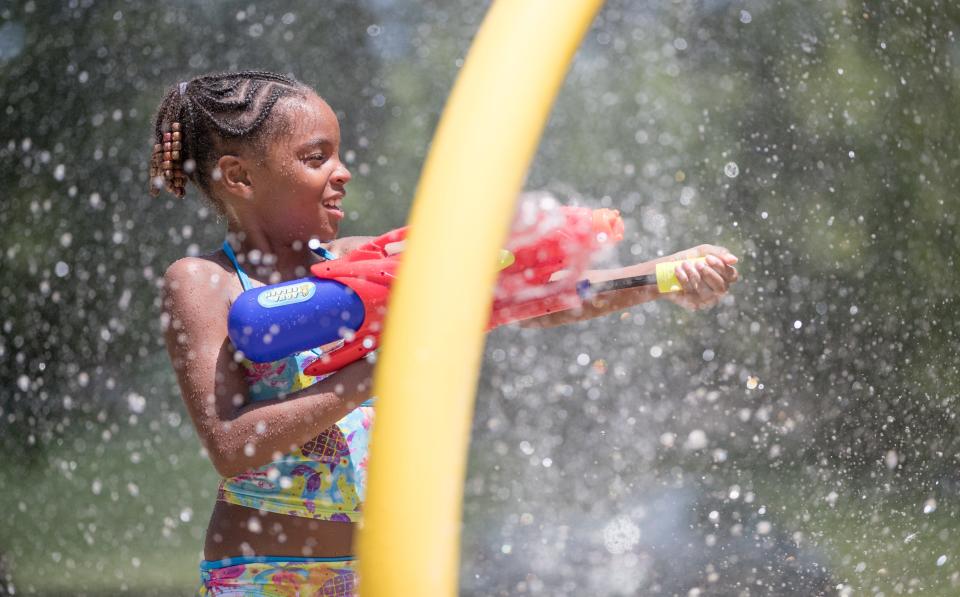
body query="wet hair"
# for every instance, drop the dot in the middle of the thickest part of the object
(209, 116)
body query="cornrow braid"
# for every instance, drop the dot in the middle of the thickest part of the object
(166, 162)
(201, 119)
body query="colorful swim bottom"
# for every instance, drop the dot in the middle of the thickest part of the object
(264, 576)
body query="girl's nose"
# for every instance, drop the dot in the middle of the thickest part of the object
(341, 175)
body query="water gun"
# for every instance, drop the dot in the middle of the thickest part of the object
(342, 305)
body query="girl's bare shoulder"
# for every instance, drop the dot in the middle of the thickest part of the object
(200, 280)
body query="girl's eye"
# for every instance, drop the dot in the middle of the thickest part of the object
(316, 158)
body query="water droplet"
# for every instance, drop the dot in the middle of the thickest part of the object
(731, 169)
(892, 459)
(620, 535)
(696, 440)
(61, 269)
(136, 403)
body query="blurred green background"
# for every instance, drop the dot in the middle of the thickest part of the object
(798, 439)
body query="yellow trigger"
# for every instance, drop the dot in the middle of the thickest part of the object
(506, 260)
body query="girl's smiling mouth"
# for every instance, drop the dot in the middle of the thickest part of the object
(334, 206)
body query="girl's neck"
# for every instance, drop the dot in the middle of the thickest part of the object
(268, 261)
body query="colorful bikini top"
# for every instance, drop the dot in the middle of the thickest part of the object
(326, 478)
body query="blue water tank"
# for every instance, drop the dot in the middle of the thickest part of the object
(272, 322)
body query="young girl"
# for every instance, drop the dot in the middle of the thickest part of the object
(264, 149)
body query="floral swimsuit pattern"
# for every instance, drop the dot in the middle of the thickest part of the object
(324, 479)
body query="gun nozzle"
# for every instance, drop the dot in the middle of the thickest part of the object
(608, 222)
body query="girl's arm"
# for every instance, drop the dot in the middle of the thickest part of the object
(239, 435)
(702, 286)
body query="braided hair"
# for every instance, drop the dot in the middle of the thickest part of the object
(202, 119)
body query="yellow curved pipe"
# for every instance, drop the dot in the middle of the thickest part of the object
(432, 345)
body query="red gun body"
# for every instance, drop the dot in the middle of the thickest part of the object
(542, 245)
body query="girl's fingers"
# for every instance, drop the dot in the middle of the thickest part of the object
(706, 290)
(704, 283)
(686, 284)
(716, 263)
(724, 268)
(721, 271)
(712, 278)
(693, 277)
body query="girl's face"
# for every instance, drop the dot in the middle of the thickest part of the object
(299, 183)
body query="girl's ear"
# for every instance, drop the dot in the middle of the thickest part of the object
(234, 177)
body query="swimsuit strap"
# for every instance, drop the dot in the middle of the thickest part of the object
(244, 279)
(323, 253)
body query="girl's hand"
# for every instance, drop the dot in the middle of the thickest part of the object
(342, 246)
(704, 284)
